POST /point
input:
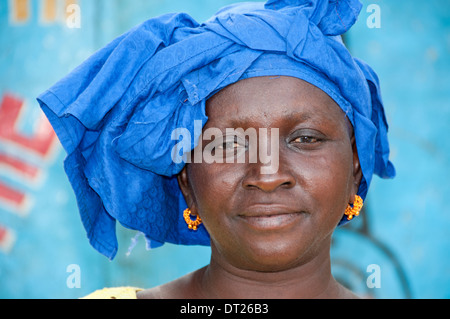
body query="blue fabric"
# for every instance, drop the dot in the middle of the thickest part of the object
(115, 113)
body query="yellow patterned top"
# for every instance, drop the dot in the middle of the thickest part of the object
(114, 293)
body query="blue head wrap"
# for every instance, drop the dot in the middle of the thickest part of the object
(115, 113)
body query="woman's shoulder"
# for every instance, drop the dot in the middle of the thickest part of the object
(181, 288)
(177, 289)
(114, 293)
(171, 290)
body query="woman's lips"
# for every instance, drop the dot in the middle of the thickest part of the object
(270, 217)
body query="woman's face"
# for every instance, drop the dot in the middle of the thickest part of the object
(273, 221)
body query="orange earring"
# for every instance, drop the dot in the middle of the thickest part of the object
(354, 210)
(192, 224)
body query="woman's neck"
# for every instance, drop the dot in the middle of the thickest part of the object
(311, 279)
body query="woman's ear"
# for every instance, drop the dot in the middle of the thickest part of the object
(357, 173)
(186, 189)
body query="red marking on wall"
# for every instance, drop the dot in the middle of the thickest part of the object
(18, 167)
(39, 144)
(7, 239)
(9, 195)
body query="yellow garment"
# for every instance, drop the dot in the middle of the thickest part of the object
(114, 293)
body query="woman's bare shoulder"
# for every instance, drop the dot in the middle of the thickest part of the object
(181, 288)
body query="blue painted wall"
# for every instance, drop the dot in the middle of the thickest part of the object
(404, 228)
(408, 216)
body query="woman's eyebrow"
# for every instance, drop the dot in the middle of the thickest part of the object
(299, 116)
(251, 120)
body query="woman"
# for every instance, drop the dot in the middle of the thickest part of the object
(275, 73)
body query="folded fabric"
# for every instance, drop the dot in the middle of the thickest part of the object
(115, 113)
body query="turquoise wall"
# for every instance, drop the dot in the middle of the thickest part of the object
(404, 229)
(408, 216)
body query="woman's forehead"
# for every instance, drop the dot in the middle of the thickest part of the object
(267, 99)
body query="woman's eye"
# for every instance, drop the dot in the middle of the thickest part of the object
(229, 145)
(306, 140)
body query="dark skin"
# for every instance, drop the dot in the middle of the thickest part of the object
(271, 233)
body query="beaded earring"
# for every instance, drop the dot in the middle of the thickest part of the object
(354, 210)
(192, 224)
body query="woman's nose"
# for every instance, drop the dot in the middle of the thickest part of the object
(282, 178)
